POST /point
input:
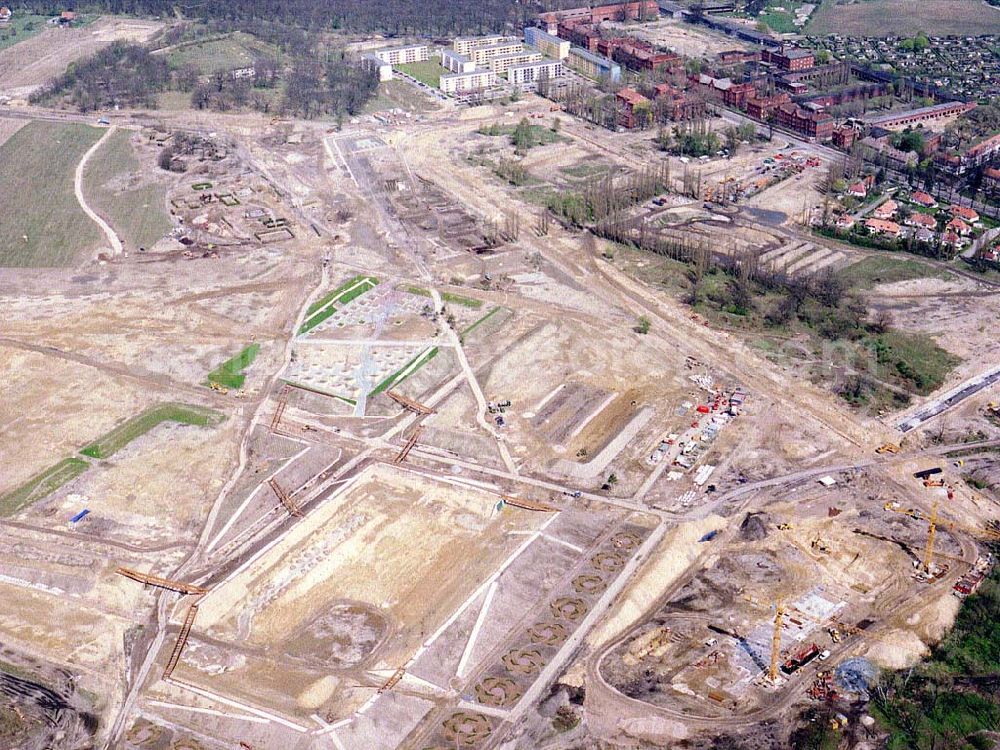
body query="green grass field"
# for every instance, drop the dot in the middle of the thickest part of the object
(22, 27)
(913, 361)
(885, 269)
(42, 485)
(138, 214)
(43, 225)
(904, 18)
(236, 50)
(112, 442)
(230, 372)
(429, 71)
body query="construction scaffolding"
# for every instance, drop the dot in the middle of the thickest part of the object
(290, 506)
(401, 456)
(163, 583)
(182, 637)
(520, 502)
(409, 404)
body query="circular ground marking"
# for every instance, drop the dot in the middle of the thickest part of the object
(466, 729)
(568, 608)
(186, 744)
(625, 541)
(548, 633)
(523, 661)
(588, 584)
(497, 691)
(143, 733)
(608, 561)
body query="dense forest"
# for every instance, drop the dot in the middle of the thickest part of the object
(428, 17)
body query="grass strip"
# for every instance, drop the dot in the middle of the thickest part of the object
(230, 372)
(405, 371)
(475, 304)
(482, 320)
(41, 485)
(112, 442)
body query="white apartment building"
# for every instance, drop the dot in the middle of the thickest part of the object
(456, 83)
(403, 55)
(456, 62)
(534, 71)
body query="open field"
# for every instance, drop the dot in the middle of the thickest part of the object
(236, 50)
(45, 225)
(27, 66)
(132, 199)
(403, 95)
(22, 27)
(905, 18)
(886, 269)
(109, 444)
(41, 485)
(9, 126)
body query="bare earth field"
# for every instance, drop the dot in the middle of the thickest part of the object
(450, 493)
(905, 18)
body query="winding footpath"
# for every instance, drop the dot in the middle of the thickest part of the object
(113, 240)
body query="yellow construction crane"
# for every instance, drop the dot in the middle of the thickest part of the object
(931, 531)
(779, 613)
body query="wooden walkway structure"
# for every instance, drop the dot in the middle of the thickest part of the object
(280, 408)
(182, 637)
(391, 682)
(290, 506)
(408, 403)
(520, 502)
(401, 456)
(163, 583)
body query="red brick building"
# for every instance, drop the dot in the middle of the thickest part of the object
(813, 124)
(630, 106)
(676, 104)
(637, 55)
(762, 107)
(789, 58)
(738, 95)
(844, 137)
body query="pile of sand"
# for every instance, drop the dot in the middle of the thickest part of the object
(898, 649)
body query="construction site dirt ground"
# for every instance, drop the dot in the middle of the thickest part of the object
(368, 584)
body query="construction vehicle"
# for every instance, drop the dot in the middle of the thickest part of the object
(785, 527)
(887, 448)
(218, 387)
(819, 545)
(838, 722)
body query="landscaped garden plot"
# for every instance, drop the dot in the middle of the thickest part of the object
(349, 371)
(107, 445)
(43, 222)
(42, 484)
(230, 373)
(327, 305)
